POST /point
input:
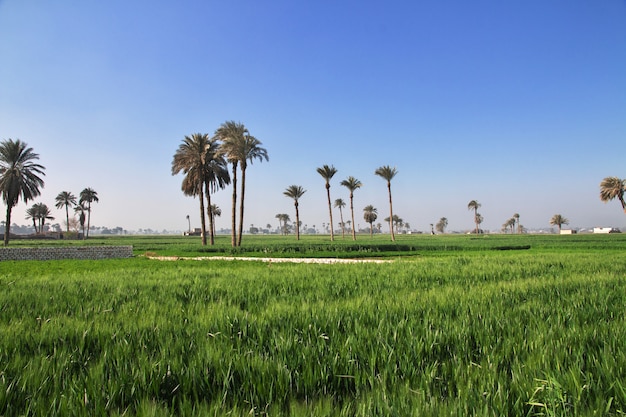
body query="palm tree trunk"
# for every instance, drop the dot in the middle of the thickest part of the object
(88, 220)
(210, 213)
(7, 226)
(343, 229)
(67, 217)
(297, 222)
(243, 191)
(330, 211)
(371, 230)
(393, 236)
(202, 218)
(352, 211)
(233, 233)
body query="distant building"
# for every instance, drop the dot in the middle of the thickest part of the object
(568, 232)
(606, 230)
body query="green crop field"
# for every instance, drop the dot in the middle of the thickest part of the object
(452, 325)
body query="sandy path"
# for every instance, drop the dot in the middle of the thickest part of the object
(272, 260)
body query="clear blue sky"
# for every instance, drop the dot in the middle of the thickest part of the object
(519, 105)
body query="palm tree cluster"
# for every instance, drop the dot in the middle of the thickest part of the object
(82, 207)
(512, 223)
(39, 213)
(204, 161)
(441, 225)
(478, 218)
(20, 177)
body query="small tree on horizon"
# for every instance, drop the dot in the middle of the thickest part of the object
(295, 192)
(558, 220)
(370, 214)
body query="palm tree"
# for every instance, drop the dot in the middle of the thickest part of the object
(295, 192)
(31, 214)
(558, 220)
(516, 218)
(340, 204)
(352, 184)
(387, 173)
(474, 205)
(19, 177)
(67, 199)
(478, 219)
(239, 147)
(283, 219)
(39, 213)
(613, 187)
(81, 209)
(88, 195)
(370, 214)
(190, 158)
(214, 211)
(216, 177)
(441, 225)
(327, 173)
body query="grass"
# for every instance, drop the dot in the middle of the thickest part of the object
(455, 326)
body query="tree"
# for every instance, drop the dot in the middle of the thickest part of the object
(88, 195)
(39, 213)
(441, 225)
(340, 204)
(190, 158)
(559, 221)
(283, 219)
(611, 188)
(295, 192)
(352, 184)
(478, 219)
(214, 211)
(387, 173)
(327, 172)
(20, 176)
(370, 214)
(474, 205)
(66, 199)
(216, 177)
(516, 221)
(239, 147)
(81, 209)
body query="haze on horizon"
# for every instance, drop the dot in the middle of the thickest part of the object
(521, 106)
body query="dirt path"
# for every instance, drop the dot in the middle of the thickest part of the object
(272, 260)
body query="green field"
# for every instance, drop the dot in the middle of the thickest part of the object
(453, 325)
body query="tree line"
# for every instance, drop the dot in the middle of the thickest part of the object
(204, 161)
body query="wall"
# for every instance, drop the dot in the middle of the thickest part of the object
(77, 252)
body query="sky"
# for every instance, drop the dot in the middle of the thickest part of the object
(518, 105)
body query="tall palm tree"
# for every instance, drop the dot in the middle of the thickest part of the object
(327, 172)
(340, 204)
(67, 199)
(370, 214)
(613, 187)
(352, 184)
(474, 205)
(387, 173)
(239, 147)
(20, 176)
(190, 158)
(295, 192)
(216, 177)
(88, 195)
(559, 221)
